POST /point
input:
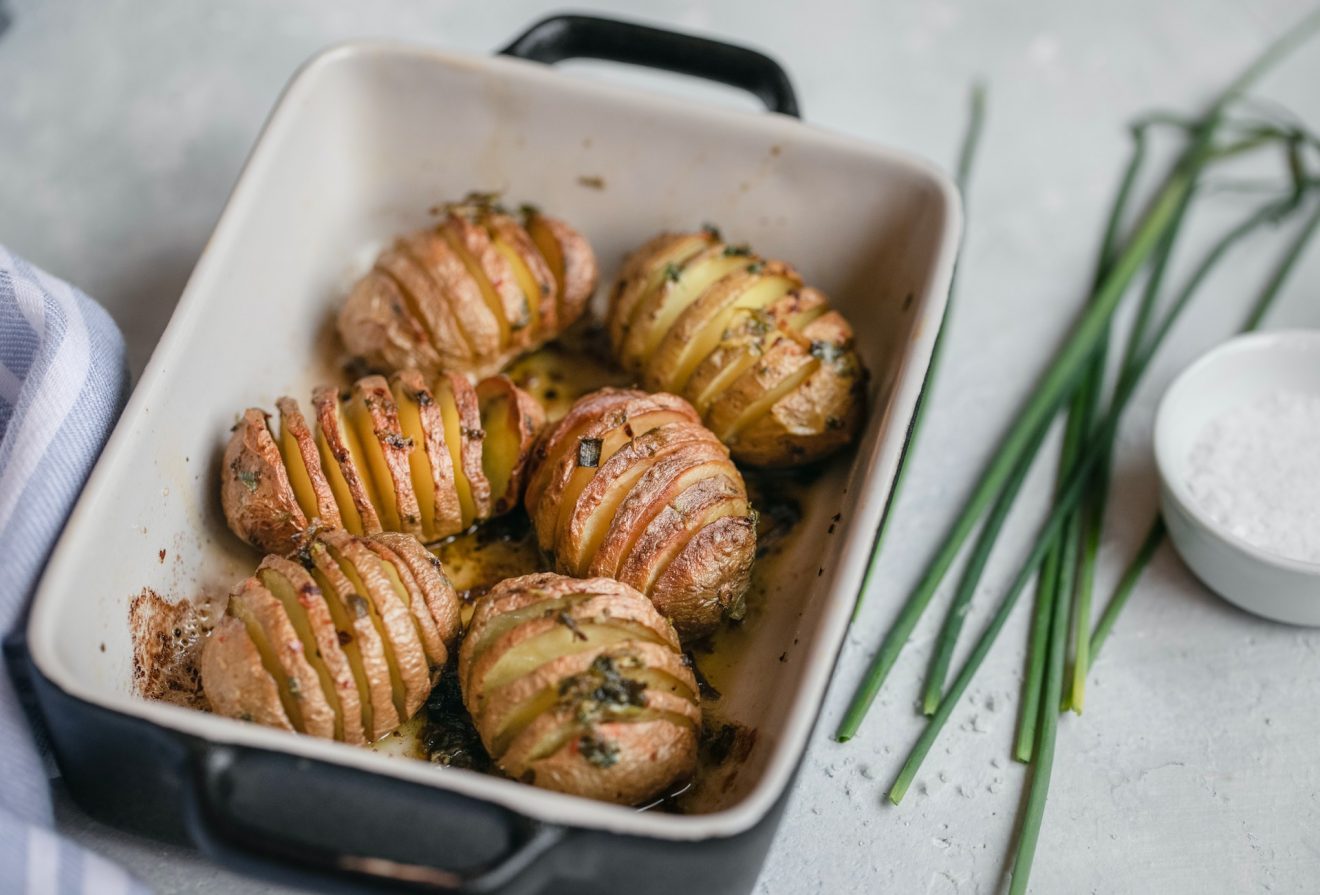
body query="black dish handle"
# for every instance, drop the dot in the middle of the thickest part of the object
(408, 837)
(561, 37)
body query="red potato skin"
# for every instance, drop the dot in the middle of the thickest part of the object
(255, 493)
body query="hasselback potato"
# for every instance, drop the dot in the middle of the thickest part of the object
(631, 486)
(763, 358)
(470, 294)
(345, 643)
(394, 455)
(579, 686)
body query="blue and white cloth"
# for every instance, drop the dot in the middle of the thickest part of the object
(63, 383)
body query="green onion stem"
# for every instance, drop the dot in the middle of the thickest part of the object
(953, 621)
(1054, 388)
(1044, 763)
(971, 140)
(1126, 585)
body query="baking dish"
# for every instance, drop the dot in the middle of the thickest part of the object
(365, 138)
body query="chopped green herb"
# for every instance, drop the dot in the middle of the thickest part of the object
(588, 453)
(738, 251)
(601, 753)
(756, 267)
(672, 272)
(249, 478)
(826, 351)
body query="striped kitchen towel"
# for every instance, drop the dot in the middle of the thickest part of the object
(62, 385)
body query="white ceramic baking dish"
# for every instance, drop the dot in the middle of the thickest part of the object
(366, 137)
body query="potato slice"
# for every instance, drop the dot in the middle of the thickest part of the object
(306, 607)
(377, 324)
(583, 526)
(426, 570)
(409, 592)
(463, 435)
(302, 462)
(747, 340)
(430, 461)
(661, 484)
(362, 644)
(282, 653)
(531, 274)
(579, 446)
(511, 419)
(624, 757)
(644, 271)
(571, 262)
(236, 682)
(566, 431)
(490, 268)
(258, 500)
(458, 286)
(515, 705)
(802, 420)
(341, 459)
(658, 310)
(699, 328)
(375, 420)
(435, 282)
(543, 595)
(410, 678)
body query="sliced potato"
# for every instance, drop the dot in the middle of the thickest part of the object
(656, 312)
(352, 611)
(427, 571)
(511, 419)
(409, 592)
(431, 461)
(493, 273)
(258, 500)
(463, 435)
(745, 343)
(429, 277)
(302, 462)
(305, 605)
(375, 420)
(377, 324)
(567, 430)
(341, 458)
(282, 653)
(645, 270)
(235, 680)
(455, 276)
(535, 288)
(410, 677)
(571, 262)
(580, 686)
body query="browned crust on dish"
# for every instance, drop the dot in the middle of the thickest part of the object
(236, 682)
(255, 493)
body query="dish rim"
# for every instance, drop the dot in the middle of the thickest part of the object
(879, 460)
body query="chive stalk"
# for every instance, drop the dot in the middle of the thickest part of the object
(971, 140)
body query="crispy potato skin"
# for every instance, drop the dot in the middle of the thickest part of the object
(240, 683)
(257, 494)
(588, 712)
(424, 305)
(802, 394)
(646, 538)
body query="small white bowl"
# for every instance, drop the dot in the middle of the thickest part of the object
(1276, 587)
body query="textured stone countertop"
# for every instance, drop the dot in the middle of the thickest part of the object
(1194, 768)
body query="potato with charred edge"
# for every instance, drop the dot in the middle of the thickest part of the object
(387, 455)
(765, 361)
(579, 686)
(632, 486)
(470, 295)
(344, 643)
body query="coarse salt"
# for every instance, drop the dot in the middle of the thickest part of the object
(1255, 470)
